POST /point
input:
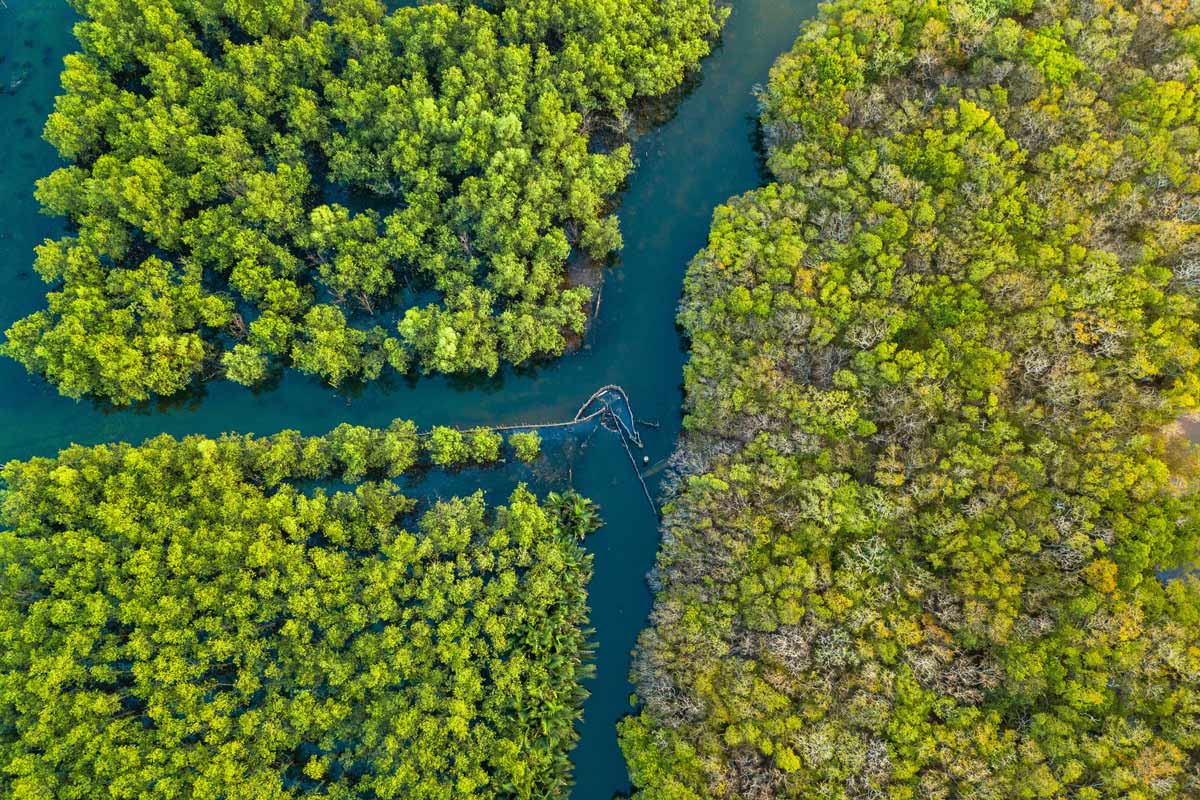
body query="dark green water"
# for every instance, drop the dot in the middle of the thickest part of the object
(696, 161)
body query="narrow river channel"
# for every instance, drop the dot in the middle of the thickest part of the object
(694, 162)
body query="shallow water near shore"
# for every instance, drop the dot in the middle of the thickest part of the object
(698, 159)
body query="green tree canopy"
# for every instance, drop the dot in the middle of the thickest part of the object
(527, 445)
(182, 619)
(255, 186)
(932, 471)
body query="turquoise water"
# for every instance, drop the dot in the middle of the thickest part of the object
(694, 162)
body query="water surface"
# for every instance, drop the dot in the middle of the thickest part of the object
(694, 162)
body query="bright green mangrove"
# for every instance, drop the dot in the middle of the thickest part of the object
(325, 185)
(197, 618)
(935, 521)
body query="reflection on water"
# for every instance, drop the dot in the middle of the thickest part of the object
(701, 156)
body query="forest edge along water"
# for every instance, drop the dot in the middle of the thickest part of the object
(696, 160)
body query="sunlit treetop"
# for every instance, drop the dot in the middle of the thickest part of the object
(335, 188)
(198, 619)
(938, 520)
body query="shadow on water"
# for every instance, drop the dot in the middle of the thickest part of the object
(701, 156)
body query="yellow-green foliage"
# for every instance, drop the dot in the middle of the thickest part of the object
(180, 620)
(215, 145)
(527, 445)
(447, 447)
(931, 476)
(485, 446)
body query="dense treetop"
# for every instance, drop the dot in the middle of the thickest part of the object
(932, 474)
(334, 187)
(193, 619)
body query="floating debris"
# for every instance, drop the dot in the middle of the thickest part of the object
(15, 84)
